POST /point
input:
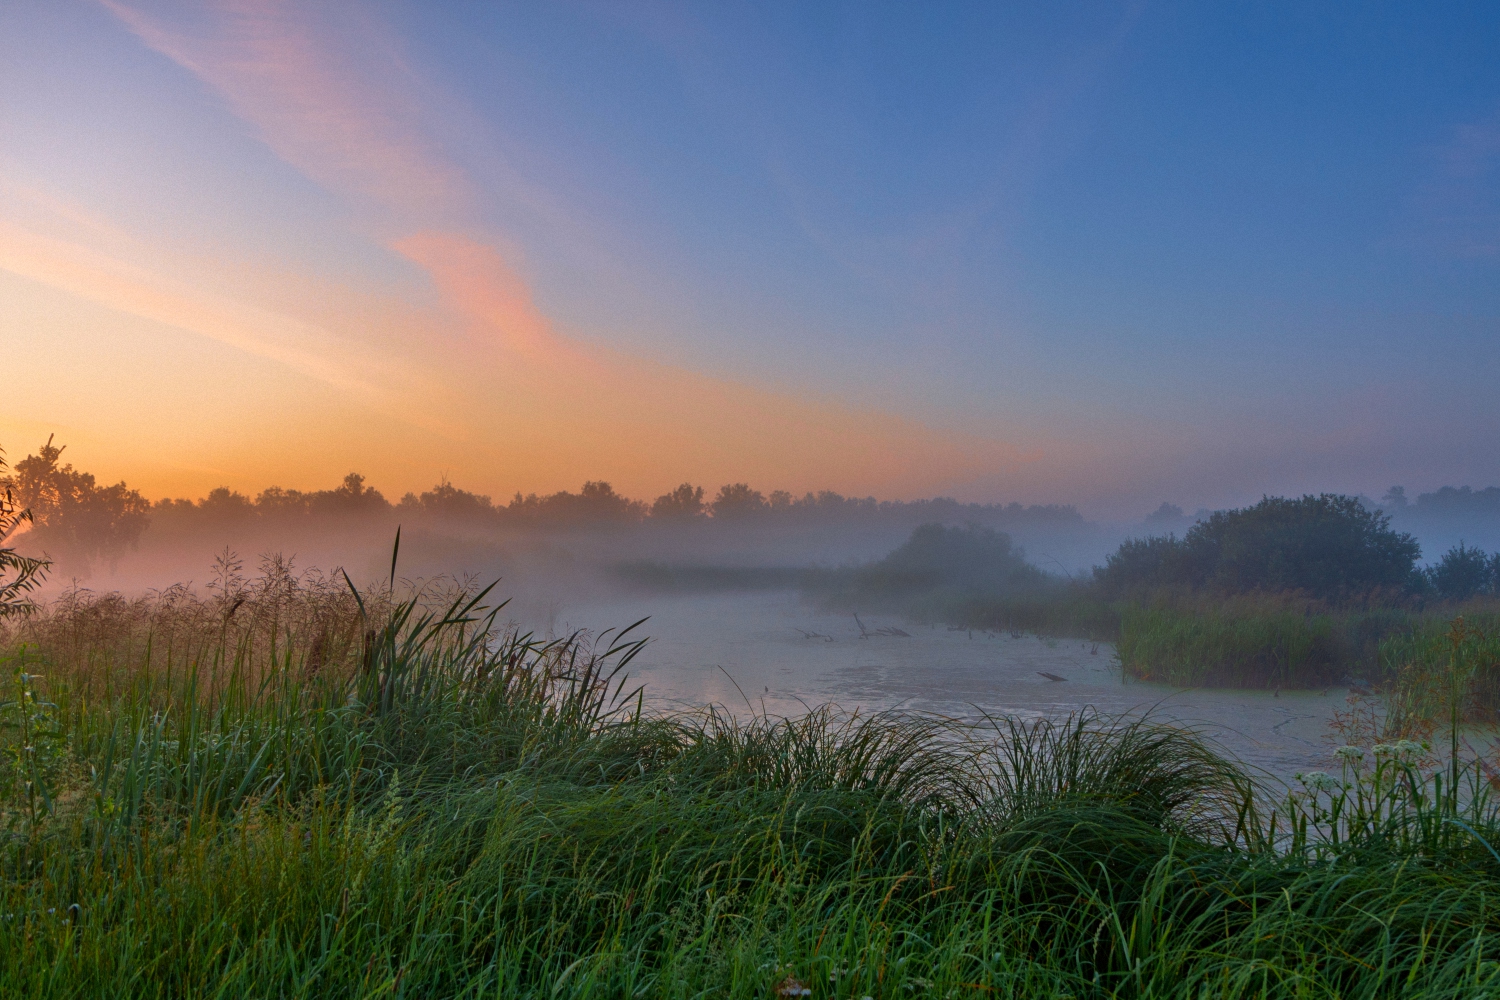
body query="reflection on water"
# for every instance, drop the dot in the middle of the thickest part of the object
(778, 655)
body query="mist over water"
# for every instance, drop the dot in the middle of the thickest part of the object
(760, 647)
(751, 653)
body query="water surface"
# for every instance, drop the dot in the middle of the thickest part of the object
(751, 652)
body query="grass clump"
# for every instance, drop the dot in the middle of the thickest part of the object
(286, 789)
(1224, 647)
(1443, 673)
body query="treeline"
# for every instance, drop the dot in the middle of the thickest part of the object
(596, 503)
(1446, 502)
(82, 521)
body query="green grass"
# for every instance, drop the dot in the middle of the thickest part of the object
(1222, 648)
(1443, 673)
(1265, 642)
(300, 794)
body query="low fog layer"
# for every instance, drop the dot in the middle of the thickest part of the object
(573, 545)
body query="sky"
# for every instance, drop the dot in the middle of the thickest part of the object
(1098, 253)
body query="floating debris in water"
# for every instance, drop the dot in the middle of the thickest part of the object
(1051, 676)
(889, 630)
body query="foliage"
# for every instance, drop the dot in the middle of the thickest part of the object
(1465, 572)
(972, 557)
(1449, 501)
(595, 502)
(19, 575)
(1142, 566)
(737, 500)
(683, 503)
(1440, 666)
(1328, 546)
(446, 502)
(936, 565)
(74, 517)
(1229, 648)
(33, 748)
(445, 808)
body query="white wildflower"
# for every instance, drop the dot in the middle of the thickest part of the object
(1319, 781)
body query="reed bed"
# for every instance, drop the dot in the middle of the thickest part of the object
(1224, 649)
(289, 789)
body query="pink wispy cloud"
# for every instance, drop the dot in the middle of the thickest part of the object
(348, 124)
(331, 117)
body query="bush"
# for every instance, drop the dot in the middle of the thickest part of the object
(936, 564)
(1328, 546)
(1465, 572)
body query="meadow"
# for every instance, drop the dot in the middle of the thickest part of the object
(285, 787)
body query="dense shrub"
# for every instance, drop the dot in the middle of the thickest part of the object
(1328, 546)
(1465, 572)
(936, 562)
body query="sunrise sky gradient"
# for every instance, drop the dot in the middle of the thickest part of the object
(1110, 254)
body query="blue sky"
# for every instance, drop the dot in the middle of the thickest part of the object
(1114, 254)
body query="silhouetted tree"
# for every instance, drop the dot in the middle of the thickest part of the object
(682, 504)
(1464, 572)
(596, 502)
(1329, 546)
(74, 516)
(1167, 516)
(736, 500)
(450, 503)
(351, 498)
(1451, 501)
(276, 502)
(224, 507)
(971, 558)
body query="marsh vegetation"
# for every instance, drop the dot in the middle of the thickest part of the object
(284, 787)
(1312, 592)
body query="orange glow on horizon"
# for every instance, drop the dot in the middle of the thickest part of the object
(510, 403)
